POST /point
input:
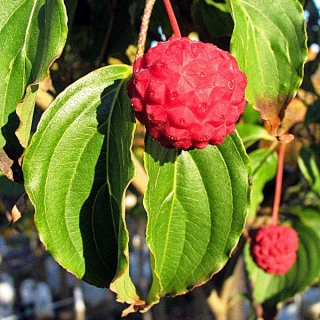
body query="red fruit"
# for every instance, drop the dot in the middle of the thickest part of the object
(273, 248)
(187, 93)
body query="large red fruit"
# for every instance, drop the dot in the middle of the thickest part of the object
(187, 93)
(273, 248)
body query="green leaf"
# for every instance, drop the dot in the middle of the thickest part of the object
(251, 133)
(77, 169)
(25, 111)
(264, 167)
(126, 290)
(221, 6)
(269, 43)
(214, 17)
(309, 164)
(196, 203)
(309, 216)
(32, 36)
(9, 188)
(251, 115)
(272, 289)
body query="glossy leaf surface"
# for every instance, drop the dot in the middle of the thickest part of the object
(196, 202)
(269, 43)
(77, 169)
(32, 36)
(251, 133)
(264, 167)
(213, 17)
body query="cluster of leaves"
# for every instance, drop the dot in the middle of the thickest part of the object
(78, 163)
(299, 209)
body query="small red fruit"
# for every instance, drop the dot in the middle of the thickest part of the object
(273, 248)
(187, 93)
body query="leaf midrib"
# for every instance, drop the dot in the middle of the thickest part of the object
(173, 193)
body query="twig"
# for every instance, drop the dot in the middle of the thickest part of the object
(144, 27)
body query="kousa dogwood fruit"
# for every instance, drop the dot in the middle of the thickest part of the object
(273, 248)
(187, 93)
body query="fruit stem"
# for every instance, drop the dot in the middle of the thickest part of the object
(172, 18)
(279, 178)
(144, 27)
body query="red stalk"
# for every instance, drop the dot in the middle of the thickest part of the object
(279, 178)
(172, 18)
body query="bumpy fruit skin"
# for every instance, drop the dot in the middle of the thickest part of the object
(187, 93)
(273, 248)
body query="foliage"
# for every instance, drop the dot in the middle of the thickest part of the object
(78, 160)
